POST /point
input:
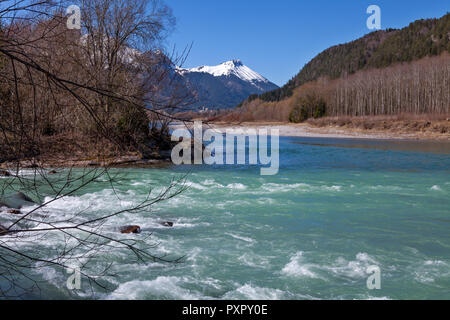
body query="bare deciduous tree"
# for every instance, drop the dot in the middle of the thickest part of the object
(68, 94)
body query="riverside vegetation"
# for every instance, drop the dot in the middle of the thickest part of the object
(401, 74)
(85, 94)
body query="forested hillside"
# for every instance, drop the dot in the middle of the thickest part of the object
(379, 49)
(385, 73)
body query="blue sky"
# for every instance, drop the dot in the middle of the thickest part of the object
(277, 38)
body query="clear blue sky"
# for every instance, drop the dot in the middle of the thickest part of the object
(277, 38)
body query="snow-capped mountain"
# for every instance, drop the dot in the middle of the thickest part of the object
(234, 67)
(223, 86)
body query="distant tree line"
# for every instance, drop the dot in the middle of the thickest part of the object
(416, 88)
(422, 87)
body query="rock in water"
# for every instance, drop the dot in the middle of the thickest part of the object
(14, 211)
(17, 201)
(130, 229)
(24, 197)
(167, 224)
(4, 173)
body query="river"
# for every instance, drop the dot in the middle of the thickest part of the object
(336, 207)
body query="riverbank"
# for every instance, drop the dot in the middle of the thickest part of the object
(130, 161)
(377, 128)
(352, 128)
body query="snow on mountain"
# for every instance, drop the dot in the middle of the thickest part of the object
(233, 67)
(225, 85)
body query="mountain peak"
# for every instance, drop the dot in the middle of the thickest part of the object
(234, 62)
(233, 67)
(223, 86)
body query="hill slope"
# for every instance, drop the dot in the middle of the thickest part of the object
(378, 49)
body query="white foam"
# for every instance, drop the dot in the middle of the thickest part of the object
(195, 185)
(249, 292)
(299, 187)
(353, 269)
(254, 261)
(161, 287)
(429, 270)
(376, 298)
(385, 188)
(435, 263)
(275, 187)
(210, 182)
(297, 268)
(211, 185)
(238, 186)
(333, 188)
(242, 238)
(266, 201)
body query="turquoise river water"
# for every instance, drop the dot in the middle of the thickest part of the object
(336, 207)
